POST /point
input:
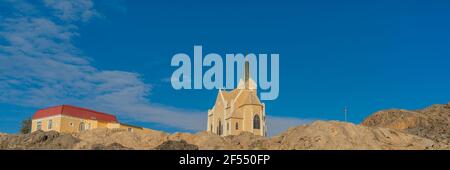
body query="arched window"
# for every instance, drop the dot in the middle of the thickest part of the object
(81, 128)
(256, 122)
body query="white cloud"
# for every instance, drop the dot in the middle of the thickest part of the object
(73, 10)
(40, 67)
(21, 6)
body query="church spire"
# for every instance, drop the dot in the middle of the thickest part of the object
(246, 74)
(246, 82)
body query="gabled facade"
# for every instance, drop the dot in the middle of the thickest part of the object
(238, 110)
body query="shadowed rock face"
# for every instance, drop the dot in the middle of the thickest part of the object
(432, 122)
(113, 146)
(176, 145)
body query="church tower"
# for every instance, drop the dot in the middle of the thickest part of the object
(238, 110)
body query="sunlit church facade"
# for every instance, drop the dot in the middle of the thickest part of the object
(238, 110)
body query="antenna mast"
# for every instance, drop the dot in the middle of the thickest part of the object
(345, 113)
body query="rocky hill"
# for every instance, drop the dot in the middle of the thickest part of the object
(428, 128)
(432, 122)
(318, 135)
(339, 135)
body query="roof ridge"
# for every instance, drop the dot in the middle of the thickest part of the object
(75, 111)
(50, 107)
(85, 109)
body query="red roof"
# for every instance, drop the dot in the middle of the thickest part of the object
(74, 112)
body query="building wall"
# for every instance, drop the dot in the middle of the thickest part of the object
(68, 124)
(248, 113)
(101, 124)
(243, 114)
(132, 128)
(216, 114)
(233, 121)
(56, 123)
(73, 124)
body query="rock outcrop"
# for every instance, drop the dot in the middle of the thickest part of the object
(432, 122)
(208, 141)
(134, 140)
(176, 145)
(38, 140)
(338, 135)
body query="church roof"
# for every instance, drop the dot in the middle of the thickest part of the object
(245, 93)
(247, 97)
(229, 95)
(240, 96)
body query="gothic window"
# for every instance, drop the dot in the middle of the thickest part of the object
(256, 122)
(220, 128)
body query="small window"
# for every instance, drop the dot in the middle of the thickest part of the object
(39, 125)
(237, 126)
(130, 129)
(50, 124)
(81, 127)
(71, 124)
(228, 126)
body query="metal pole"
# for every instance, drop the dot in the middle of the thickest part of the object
(345, 113)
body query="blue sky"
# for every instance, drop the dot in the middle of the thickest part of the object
(114, 56)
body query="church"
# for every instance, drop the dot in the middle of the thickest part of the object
(238, 110)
